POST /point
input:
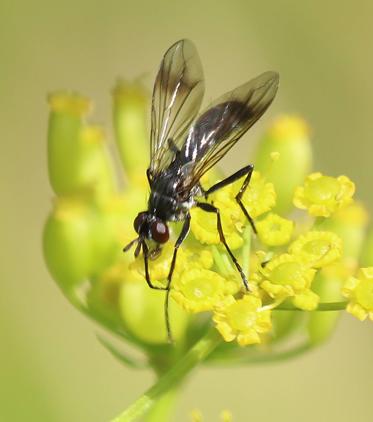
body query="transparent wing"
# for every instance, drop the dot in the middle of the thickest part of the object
(223, 123)
(177, 96)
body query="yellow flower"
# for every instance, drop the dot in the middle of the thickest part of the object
(323, 195)
(204, 228)
(242, 319)
(198, 290)
(359, 290)
(274, 230)
(259, 197)
(318, 248)
(287, 276)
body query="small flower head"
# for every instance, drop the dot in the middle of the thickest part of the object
(323, 195)
(359, 291)
(318, 248)
(259, 197)
(287, 276)
(242, 319)
(204, 228)
(274, 230)
(198, 290)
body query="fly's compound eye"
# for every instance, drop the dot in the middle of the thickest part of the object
(139, 221)
(159, 231)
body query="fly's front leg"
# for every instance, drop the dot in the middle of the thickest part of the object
(248, 171)
(211, 208)
(146, 265)
(183, 234)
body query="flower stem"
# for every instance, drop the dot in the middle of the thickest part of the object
(172, 378)
(162, 409)
(329, 306)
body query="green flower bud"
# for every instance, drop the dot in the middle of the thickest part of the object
(142, 311)
(130, 108)
(327, 285)
(284, 156)
(77, 243)
(77, 156)
(68, 241)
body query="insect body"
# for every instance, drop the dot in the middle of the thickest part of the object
(184, 146)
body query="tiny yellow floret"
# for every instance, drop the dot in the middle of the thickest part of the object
(287, 276)
(274, 230)
(242, 319)
(198, 290)
(317, 248)
(323, 195)
(259, 197)
(359, 291)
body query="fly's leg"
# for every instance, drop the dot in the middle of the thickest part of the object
(146, 265)
(211, 208)
(183, 234)
(248, 171)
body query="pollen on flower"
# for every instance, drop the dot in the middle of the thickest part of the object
(317, 248)
(287, 276)
(359, 291)
(243, 319)
(323, 195)
(274, 230)
(67, 102)
(198, 290)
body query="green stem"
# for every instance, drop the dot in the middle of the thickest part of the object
(330, 306)
(172, 378)
(162, 409)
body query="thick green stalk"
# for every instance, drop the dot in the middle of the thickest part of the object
(162, 409)
(170, 380)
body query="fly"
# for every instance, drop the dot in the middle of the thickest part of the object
(184, 145)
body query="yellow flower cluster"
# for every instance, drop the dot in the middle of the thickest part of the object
(205, 280)
(93, 218)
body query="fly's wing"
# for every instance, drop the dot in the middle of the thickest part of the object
(177, 97)
(223, 123)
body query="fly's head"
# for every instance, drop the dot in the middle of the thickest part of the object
(151, 228)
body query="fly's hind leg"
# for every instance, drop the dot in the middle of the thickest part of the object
(248, 171)
(211, 208)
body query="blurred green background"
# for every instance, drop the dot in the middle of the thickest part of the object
(51, 366)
